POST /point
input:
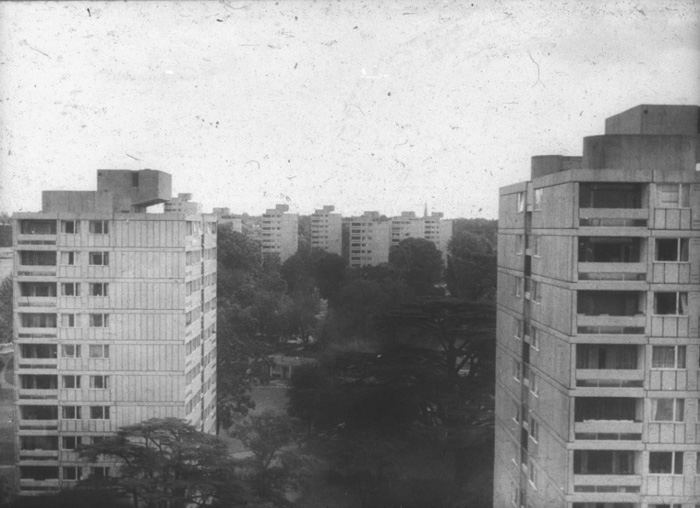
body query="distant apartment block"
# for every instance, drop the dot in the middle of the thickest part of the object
(598, 340)
(183, 204)
(224, 217)
(369, 238)
(429, 227)
(280, 232)
(115, 321)
(326, 230)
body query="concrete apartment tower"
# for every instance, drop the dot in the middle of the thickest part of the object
(429, 227)
(280, 232)
(115, 321)
(369, 239)
(327, 230)
(598, 378)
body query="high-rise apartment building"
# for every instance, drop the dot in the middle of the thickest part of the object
(369, 238)
(115, 321)
(429, 227)
(326, 230)
(280, 232)
(598, 374)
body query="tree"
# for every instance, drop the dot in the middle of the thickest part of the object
(462, 331)
(276, 465)
(167, 462)
(471, 266)
(6, 289)
(419, 262)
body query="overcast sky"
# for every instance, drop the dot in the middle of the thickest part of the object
(365, 105)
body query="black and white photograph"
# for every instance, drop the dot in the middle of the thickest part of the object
(350, 254)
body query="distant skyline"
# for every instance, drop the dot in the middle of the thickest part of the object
(362, 105)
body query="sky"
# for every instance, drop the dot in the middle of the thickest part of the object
(365, 105)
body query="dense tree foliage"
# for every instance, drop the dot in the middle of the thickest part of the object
(419, 263)
(471, 266)
(167, 462)
(276, 465)
(72, 498)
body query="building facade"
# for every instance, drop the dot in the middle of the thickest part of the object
(115, 322)
(326, 230)
(369, 239)
(598, 370)
(280, 232)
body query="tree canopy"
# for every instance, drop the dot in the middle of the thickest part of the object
(167, 461)
(419, 262)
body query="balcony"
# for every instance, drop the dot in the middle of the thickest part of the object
(608, 414)
(607, 427)
(611, 311)
(605, 467)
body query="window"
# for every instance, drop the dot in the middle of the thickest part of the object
(70, 351)
(666, 462)
(99, 351)
(518, 286)
(70, 288)
(516, 413)
(37, 350)
(70, 442)
(68, 320)
(532, 472)
(69, 258)
(37, 227)
(32, 320)
(668, 357)
(99, 412)
(538, 199)
(99, 472)
(536, 294)
(72, 473)
(99, 258)
(42, 289)
(99, 320)
(519, 328)
(72, 382)
(99, 227)
(673, 195)
(521, 201)
(534, 386)
(671, 304)
(37, 258)
(671, 249)
(667, 410)
(98, 288)
(516, 370)
(534, 429)
(519, 243)
(70, 227)
(536, 245)
(534, 338)
(70, 412)
(99, 382)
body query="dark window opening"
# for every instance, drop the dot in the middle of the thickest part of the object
(605, 408)
(602, 249)
(610, 195)
(612, 303)
(595, 356)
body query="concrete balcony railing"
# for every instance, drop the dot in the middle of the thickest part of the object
(627, 480)
(40, 454)
(612, 271)
(610, 374)
(41, 363)
(608, 427)
(29, 239)
(636, 321)
(37, 270)
(36, 301)
(28, 393)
